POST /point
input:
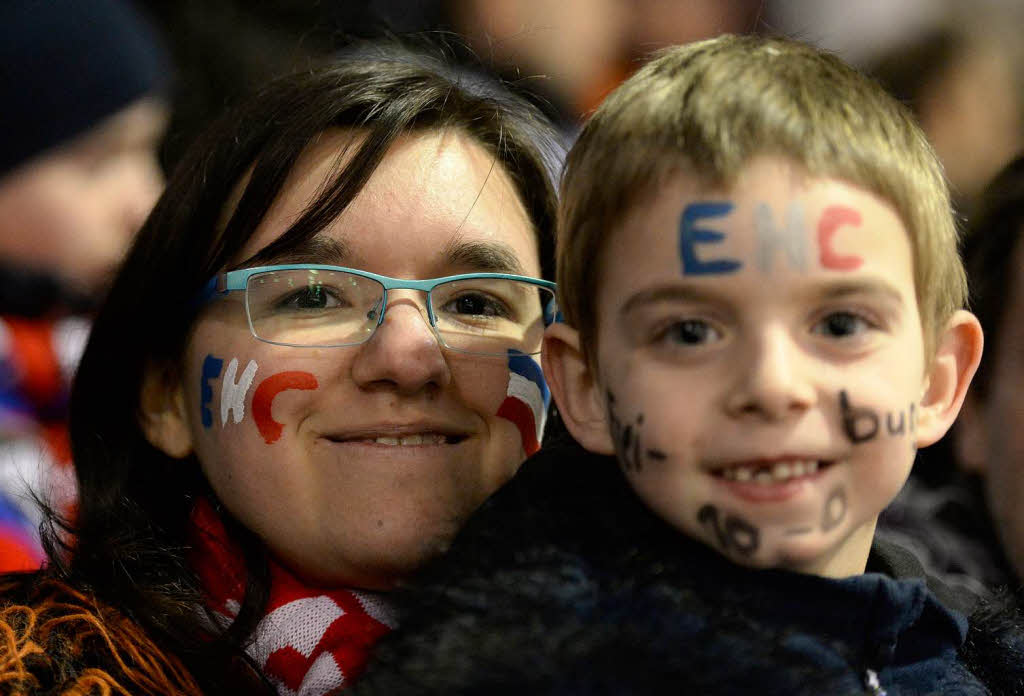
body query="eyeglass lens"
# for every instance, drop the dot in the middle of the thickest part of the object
(307, 307)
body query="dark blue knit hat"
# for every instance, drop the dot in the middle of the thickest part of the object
(65, 65)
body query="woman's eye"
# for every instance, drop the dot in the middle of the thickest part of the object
(841, 325)
(476, 305)
(690, 332)
(312, 297)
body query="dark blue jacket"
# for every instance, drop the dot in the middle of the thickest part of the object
(564, 583)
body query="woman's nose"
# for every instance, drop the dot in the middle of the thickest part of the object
(403, 354)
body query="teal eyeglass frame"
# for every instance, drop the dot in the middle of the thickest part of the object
(233, 281)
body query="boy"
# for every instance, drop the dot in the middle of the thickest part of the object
(759, 274)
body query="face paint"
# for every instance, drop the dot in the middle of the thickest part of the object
(526, 401)
(690, 236)
(834, 217)
(734, 534)
(862, 424)
(232, 394)
(628, 440)
(211, 370)
(790, 238)
(769, 238)
(263, 400)
(835, 509)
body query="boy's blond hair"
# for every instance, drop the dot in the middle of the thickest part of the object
(707, 109)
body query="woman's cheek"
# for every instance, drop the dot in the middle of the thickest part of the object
(238, 392)
(512, 391)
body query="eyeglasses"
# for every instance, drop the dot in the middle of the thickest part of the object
(309, 305)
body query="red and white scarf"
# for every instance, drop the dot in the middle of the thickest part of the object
(311, 640)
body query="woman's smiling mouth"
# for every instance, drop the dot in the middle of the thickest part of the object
(407, 440)
(406, 435)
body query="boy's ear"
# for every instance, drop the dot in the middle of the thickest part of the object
(162, 414)
(956, 359)
(575, 389)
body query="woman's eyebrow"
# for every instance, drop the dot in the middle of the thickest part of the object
(317, 249)
(482, 255)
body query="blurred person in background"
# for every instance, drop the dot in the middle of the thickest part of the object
(962, 78)
(989, 439)
(80, 84)
(961, 513)
(573, 53)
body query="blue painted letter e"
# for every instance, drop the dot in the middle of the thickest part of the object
(690, 236)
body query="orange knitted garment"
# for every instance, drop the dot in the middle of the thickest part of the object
(62, 641)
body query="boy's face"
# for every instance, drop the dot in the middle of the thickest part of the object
(761, 363)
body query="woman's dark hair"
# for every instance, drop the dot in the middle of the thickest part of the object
(131, 533)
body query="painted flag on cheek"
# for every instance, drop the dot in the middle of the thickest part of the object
(526, 401)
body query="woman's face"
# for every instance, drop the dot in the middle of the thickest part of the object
(356, 464)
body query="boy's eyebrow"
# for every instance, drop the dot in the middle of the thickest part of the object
(485, 256)
(865, 286)
(665, 293)
(831, 291)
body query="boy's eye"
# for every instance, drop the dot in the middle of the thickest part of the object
(841, 325)
(689, 332)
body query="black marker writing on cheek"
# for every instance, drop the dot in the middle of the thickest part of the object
(860, 424)
(863, 424)
(913, 427)
(628, 440)
(835, 509)
(897, 429)
(734, 534)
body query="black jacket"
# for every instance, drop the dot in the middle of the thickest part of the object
(564, 583)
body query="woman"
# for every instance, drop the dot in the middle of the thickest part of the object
(260, 451)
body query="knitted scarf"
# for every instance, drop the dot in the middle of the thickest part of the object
(311, 640)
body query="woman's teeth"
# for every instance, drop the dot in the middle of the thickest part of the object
(771, 473)
(426, 439)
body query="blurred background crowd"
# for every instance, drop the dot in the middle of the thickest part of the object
(102, 98)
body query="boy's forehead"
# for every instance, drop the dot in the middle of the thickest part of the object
(768, 182)
(773, 218)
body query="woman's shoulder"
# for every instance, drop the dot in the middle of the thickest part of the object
(57, 639)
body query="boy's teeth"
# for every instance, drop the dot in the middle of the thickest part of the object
(774, 473)
(428, 439)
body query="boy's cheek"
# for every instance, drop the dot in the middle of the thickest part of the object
(661, 452)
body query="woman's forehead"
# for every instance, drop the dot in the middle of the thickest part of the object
(432, 190)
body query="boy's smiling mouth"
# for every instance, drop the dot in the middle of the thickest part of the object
(768, 472)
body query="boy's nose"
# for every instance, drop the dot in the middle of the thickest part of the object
(403, 354)
(773, 383)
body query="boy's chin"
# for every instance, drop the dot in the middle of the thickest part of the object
(809, 556)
